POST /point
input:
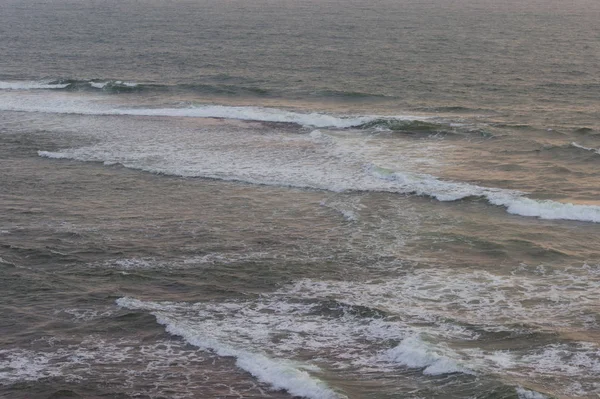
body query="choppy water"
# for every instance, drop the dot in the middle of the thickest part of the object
(318, 199)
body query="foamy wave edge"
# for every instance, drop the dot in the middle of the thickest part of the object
(24, 85)
(280, 374)
(248, 113)
(514, 201)
(415, 353)
(422, 185)
(31, 85)
(594, 150)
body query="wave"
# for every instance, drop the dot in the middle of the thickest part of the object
(568, 152)
(417, 126)
(260, 114)
(339, 334)
(527, 394)
(116, 86)
(111, 86)
(413, 352)
(466, 302)
(280, 374)
(594, 150)
(468, 307)
(98, 358)
(223, 89)
(333, 166)
(220, 89)
(31, 85)
(423, 330)
(585, 131)
(514, 201)
(351, 95)
(373, 178)
(458, 109)
(83, 106)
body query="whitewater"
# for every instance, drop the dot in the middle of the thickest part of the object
(257, 199)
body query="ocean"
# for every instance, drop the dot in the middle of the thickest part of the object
(299, 198)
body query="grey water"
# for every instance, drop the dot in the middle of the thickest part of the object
(319, 199)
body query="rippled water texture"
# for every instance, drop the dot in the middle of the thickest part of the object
(275, 199)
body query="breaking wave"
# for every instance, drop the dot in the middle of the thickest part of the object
(594, 150)
(31, 85)
(279, 373)
(61, 104)
(372, 178)
(111, 86)
(433, 322)
(415, 353)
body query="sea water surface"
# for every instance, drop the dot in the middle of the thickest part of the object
(282, 198)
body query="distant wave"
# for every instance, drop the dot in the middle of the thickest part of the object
(261, 114)
(417, 126)
(113, 86)
(116, 86)
(31, 85)
(594, 150)
(393, 123)
(83, 106)
(514, 201)
(567, 151)
(351, 95)
(224, 89)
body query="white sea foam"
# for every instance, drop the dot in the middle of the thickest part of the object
(348, 208)
(339, 335)
(133, 263)
(265, 160)
(594, 150)
(492, 303)
(71, 362)
(176, 370)
(98, 85)
(279, 373)
(31, 85)
(414, 352)
(216, 258)
(317, 160)
(102, 85)
(79, 314)
(514, 201)
(86, 105)
(527, 394)
(48, 85)
(333, 178)
(472, 296)
(25, 365)
(251, 114)
(349, 325)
